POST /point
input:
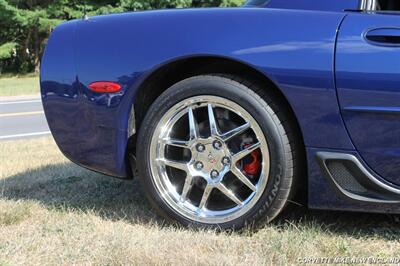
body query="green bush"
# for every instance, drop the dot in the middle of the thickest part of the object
(6, 50)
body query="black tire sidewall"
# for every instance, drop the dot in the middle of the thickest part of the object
(270, 203)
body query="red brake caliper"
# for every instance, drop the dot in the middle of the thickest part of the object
(254, 166)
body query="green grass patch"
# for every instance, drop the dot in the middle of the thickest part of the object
(14, 213)
(19, 85)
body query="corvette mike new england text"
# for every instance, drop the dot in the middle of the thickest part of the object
(349, 260)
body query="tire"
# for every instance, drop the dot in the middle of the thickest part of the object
(175, 190)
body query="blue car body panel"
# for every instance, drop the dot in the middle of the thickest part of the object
(293, 47)
(368, 81)
(68, 110)
(239, 34)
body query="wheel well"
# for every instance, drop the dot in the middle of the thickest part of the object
(168, 75)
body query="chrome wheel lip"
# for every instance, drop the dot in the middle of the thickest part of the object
(167, 190)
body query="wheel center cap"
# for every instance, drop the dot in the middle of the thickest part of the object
(210, 157)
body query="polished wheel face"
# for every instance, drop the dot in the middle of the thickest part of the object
(209, 159)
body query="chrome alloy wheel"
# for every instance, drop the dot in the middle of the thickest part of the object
(198, 156)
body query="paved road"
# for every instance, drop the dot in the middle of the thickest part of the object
(22, 117)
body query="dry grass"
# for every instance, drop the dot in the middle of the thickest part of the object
(24, 85)
(53, 212)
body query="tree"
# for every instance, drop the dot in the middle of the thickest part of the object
(23, 34)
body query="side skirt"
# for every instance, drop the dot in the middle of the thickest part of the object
(340, 180)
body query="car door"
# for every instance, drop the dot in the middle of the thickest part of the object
(368, 85)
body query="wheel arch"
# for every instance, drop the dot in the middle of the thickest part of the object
(163, 77)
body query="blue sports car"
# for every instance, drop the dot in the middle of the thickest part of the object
(227, 113)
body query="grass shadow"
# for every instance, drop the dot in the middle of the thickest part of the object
(66, 186)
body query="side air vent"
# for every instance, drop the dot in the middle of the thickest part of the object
(353, 179)
(344, 177)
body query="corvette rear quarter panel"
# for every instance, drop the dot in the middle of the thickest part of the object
(295, 49)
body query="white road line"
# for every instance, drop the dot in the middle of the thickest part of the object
(25, 135)
(20, 102)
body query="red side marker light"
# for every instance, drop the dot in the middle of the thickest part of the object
(105, 86)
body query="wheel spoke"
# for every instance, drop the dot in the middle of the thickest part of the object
(175, 164)
(176, 143)
(246, 151)
(234, 132)
(242, 177)
(187, 187)
(193, 126)
(206, 195)
(213, 122)
(227, 192)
